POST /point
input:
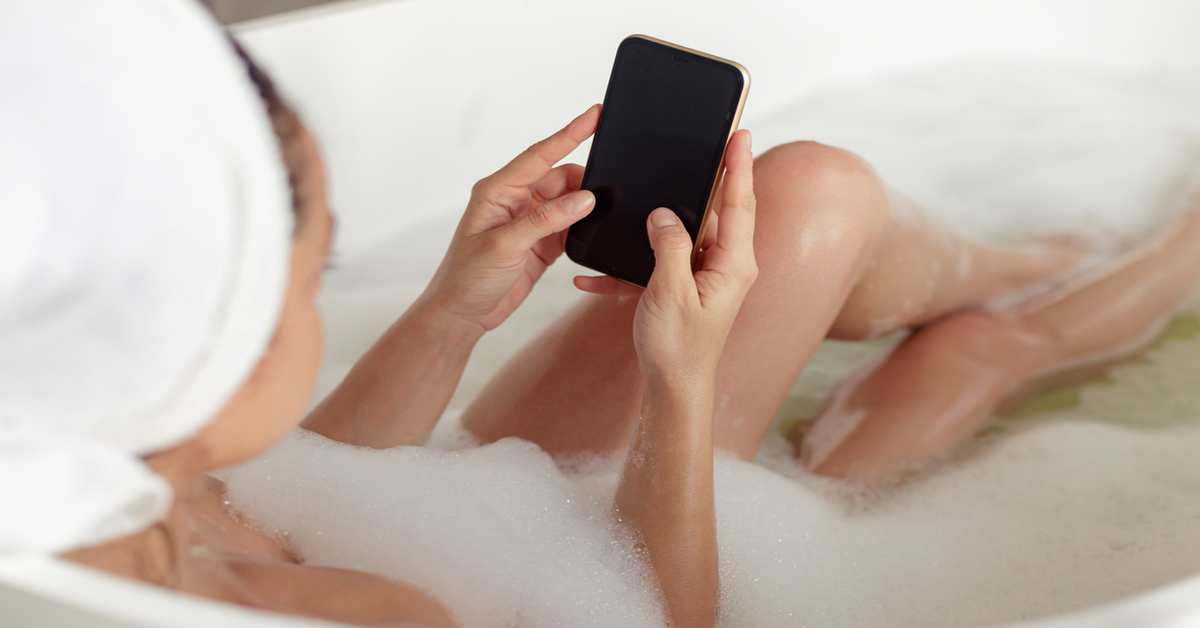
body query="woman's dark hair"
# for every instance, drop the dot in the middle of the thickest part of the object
(287, 128)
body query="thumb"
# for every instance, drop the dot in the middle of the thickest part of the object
(672, 248)
(548, 218)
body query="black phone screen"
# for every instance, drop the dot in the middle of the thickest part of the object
(666, 118)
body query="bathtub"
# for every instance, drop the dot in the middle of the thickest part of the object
(414, 100)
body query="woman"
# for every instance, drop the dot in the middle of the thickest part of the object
(836, 256)
(150, 309)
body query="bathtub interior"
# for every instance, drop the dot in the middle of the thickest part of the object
(1069, 127)
(1090, 495)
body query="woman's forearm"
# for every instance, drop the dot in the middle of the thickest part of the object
(510, 232)
(666, 498)
(399, 388)
(679, 330)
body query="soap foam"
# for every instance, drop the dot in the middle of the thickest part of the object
(497, 533)
(1043, 516)
(1034, 516)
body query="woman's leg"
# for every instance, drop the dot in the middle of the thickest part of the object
(938, 385)
(838, 255)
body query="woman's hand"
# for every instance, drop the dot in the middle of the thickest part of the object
(513, 229)
(665, 494)
(683, 318)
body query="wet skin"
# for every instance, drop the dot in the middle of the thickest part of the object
(839, 256)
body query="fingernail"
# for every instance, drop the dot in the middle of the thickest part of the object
(665, 218)
(577, 202)
(749, 140)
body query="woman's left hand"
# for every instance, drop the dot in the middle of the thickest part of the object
(513, 229)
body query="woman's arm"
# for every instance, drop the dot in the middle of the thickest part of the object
(666, 490)
(401, 385)
(514, 227)
(666, 498)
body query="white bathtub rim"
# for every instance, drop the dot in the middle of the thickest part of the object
(131, 602)
(1170, 606)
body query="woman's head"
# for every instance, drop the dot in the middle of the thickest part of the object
(275, 395)
(146, 253)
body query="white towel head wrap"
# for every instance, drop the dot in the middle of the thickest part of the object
(144, 242)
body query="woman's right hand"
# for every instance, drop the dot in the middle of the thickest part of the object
(683, 318)
(665, 494)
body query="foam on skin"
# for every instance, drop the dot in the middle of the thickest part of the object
(498, 534)
(1039, 516)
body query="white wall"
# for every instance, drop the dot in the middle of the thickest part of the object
(414, 100)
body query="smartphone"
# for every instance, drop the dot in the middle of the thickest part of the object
(668, 113)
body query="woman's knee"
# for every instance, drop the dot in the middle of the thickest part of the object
(808, 184)
(817, 203)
